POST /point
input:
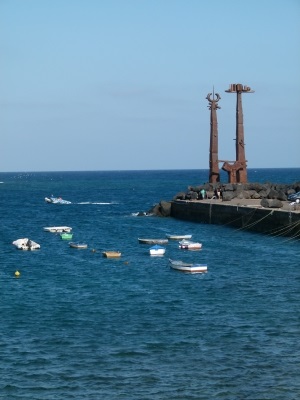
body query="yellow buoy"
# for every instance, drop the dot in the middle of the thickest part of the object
(17, 273)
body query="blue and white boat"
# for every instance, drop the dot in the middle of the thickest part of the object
(157, 250)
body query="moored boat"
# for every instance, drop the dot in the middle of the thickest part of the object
(189, 245)
(66, 235)
(179, 237)
(188, 267)
(111, 254)
(57, 229)
(153, 241)
(26, 244)
(157, 250)
(78, 245)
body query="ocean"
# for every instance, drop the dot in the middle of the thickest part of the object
(76, 325)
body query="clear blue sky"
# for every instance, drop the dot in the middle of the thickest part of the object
(121, 84)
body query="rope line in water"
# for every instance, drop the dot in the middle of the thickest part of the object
(273, 232)
(294, 237)
(255, 222)
(285, 229)
(242, 216)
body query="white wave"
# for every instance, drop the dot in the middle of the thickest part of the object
(90, 202)
(141, 214)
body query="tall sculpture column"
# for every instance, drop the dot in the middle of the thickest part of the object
(214, 172)
(241, 173)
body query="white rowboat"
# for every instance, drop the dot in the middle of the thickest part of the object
(186, 267)
(179, 237)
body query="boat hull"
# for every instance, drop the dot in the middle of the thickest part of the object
(189, 268)
(57, 229)
(189, 245)
(157, 250)
(26, 244)
(78, 245)
(153, 241)
(179, 237)
(111, 254)
(56, 200)
(196, 246)
(66, 236)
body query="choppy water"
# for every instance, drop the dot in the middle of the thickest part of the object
(75, 325)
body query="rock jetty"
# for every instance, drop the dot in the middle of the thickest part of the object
(268, 195)
(229, 191)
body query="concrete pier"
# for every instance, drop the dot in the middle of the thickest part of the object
(247, 214)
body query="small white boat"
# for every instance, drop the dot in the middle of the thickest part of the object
(26, 244)
(78, 245)
(189, 245)
(153, 241)
(55, 229)
(111, 254)
(179, 237)
(56, 200)
(187, 267)
(157, 250)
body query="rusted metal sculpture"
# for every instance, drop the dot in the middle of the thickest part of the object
(237, 172)
(214, 172)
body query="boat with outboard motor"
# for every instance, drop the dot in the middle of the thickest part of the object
(189, 245)
(56, 200)
(26, 244)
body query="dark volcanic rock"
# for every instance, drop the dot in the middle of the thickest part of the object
(228, 187)
(227, 196)
(273, 194)
(281, 196)
(271, 203)
(165, 208)
(180, 196)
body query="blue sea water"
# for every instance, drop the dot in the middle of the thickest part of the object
(76, 325)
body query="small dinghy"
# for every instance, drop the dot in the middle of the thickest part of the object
(66, 235)
(179, 237)
(26, 244)
(188, 245)
(188, 267)
(111, 254)
(157, 250)
(77, 245)
(57, 229)
(153, 241)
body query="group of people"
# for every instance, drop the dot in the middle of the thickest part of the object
(217, 194)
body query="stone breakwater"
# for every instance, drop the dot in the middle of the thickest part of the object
(267, 195)
(253, 206)
(228, 192)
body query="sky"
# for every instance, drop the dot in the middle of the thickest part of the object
(95, 85)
